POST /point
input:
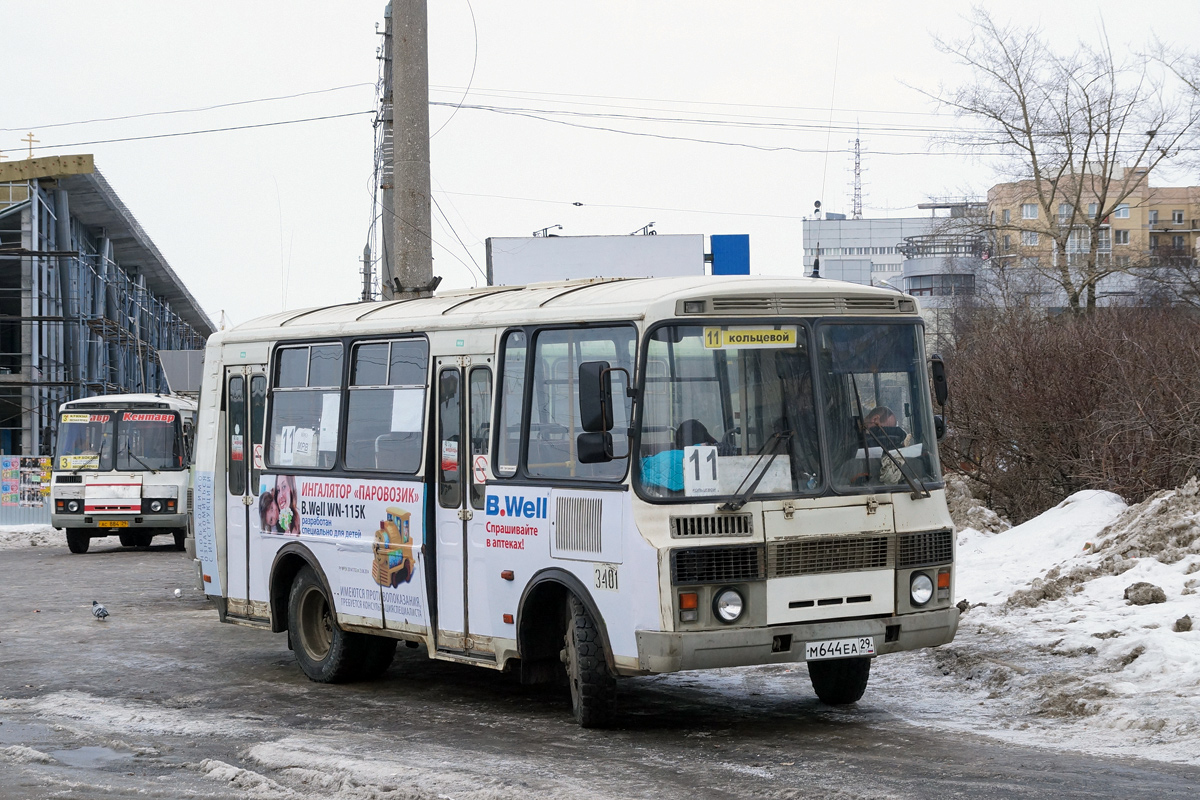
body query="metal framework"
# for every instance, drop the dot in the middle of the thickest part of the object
(74, 321)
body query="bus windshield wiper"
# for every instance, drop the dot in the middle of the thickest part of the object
(130, 453)
(769, 451)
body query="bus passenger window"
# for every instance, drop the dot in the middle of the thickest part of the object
(306, 406)
(386, 416)
(449, 440)
(480, 388)
(554, 413)
(508, 407)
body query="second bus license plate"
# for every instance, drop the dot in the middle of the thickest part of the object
(839, 648)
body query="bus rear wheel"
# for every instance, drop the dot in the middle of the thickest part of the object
(593, 686)
(181, 539)
(127, 539)
(840, 681)
(325, 652)
(78, 541)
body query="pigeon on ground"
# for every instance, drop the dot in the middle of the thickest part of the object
(99, 611)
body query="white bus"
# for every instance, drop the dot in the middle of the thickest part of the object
(581, 480)
(121, 467)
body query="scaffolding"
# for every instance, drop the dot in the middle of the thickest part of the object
(75, 321)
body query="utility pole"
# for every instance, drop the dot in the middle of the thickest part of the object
(411, 222)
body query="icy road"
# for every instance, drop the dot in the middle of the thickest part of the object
(162, 701)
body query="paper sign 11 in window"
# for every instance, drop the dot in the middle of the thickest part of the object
(700, 470)
(749, 338)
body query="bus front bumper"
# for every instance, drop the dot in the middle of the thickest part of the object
(665, 651)
(91, 522)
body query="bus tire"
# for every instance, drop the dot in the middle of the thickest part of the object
(143, 539)
(840, 681)
(127, 539)
(78, 541)
(325, 652)
(593, 687)
(378, 652)
(181, 539)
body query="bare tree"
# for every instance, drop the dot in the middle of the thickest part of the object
(1083, 129)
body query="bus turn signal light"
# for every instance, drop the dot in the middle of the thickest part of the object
(943, 580)
(508, 619)
(507, 574)
(689, 607)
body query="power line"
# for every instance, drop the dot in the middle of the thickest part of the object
(208, 130)
(518, 93)
(617, 205)
(471, 80)
(186, 110)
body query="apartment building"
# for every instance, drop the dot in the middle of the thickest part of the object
(1151, 232)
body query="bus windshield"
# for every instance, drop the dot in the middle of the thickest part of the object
(149, 440)
(728, 410)
(876, 404)
(85, 441)
(733, 411)
(130, 440)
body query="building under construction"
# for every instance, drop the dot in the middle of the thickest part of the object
(86, 299)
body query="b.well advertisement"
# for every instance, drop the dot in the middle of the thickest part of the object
(378, 529)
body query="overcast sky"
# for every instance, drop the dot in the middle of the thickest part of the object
(262, 218)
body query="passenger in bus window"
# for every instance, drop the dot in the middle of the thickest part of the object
(692, 432)
(665, 469)
(285, 500)
(881, 424)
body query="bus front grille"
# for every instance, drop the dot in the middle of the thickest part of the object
(712, 525)
(925, 548)
(716, 565)
(820, 556)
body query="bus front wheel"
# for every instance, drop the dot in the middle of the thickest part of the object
(78, 541)
(593, 687)
(181, 539)
(325, 652)
(840, 681)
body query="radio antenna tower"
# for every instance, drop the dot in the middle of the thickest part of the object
(857, 210)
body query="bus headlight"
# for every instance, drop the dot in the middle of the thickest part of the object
(156, 506)
(73, 506)
(728, 605)
(920, 588)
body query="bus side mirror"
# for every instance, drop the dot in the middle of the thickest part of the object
(594, 448)
(939, 426)
(595, 399)
(941, 389)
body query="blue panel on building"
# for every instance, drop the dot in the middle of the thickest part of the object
(731, 254)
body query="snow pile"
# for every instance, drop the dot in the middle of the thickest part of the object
(14, 536)
(967, 510)
(1051, 651)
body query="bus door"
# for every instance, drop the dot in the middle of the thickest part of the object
(464, 398)
(245, 407)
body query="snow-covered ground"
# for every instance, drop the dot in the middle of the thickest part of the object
(1049, 652)
(12, 536)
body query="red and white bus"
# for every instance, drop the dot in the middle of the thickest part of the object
(121, 469)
